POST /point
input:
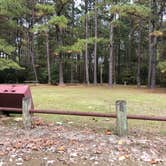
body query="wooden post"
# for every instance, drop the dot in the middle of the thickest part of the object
(121, 121)
(26, 105)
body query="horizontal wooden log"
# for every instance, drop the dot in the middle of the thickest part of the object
(78, 113)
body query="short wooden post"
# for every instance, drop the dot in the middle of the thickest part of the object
(121, 121)
(26, 105)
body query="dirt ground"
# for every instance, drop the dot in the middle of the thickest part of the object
(48, 144)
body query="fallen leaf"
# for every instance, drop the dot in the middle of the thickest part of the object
(61, 149)
(108, 132)
(17, 145)
(120, 148)
(49, 143)
(120, 142)
(35, 148)
(98, 152)
(122, 158)
(38, 122)
(127, 156)
(2, 153)
(154, 161)
(26, 158)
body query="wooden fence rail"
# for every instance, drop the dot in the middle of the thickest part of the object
(121, 115)
(78, 113)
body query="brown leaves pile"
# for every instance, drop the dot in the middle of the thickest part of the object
(29, 144)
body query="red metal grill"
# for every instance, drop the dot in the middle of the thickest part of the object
(11, 95)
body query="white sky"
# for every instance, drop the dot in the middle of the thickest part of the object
(77, 2)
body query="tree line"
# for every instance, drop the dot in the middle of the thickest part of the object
(83, 41)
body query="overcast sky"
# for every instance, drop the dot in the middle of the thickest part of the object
(78, 2)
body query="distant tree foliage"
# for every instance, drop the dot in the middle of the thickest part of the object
(9, 64)
(88, 41)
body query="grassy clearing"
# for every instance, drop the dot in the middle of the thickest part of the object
(101, 99)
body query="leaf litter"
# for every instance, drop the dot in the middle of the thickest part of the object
(52, 144)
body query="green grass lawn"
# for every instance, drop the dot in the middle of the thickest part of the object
(101, 99)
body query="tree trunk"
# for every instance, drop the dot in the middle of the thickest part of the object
(86, 44)
(114, 64)
(128, 59)
(150, 55)
(130, 46)
(61, 81)
(101, 74)
(32, 51)
(153, 72)
(72, 65)
(152, 46)
(61, 78)
(48, 58)
(95, 48)
(111, 56)
(118, 61)
(139, 60)
(71, 73)
(33, 59)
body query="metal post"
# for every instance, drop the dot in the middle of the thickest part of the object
(121, 122)
(26, 106)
